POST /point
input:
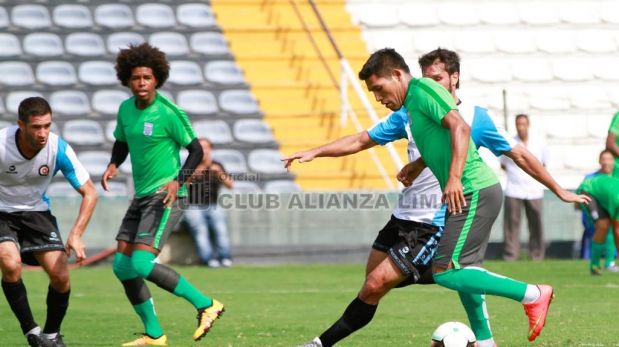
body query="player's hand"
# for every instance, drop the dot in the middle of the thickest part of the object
(568, 196)
(172, 189)
(409, 173)
(302, 157)
(454, 196)
(110, 172)
(75, 243)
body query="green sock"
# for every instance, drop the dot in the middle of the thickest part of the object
(596, 253)
(475, 307)
(185, 290)
(609, 249)
(475, 280)
(146, 311)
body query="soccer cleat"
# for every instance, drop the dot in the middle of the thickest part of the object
(226, 262)
(314, 343)
(57, 340)
(595, 271)
(613, 268)
(537, 310)
(39, 341)
(206, 318)
(146, 340)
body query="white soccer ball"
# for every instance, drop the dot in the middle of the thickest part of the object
(453, 334)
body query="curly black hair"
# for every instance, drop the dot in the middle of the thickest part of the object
(142, 55)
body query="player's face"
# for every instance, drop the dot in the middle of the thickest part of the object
(142, 84)
(389, 91)
(607, 163)
(36, 131)
(437, 72)
(522, 127)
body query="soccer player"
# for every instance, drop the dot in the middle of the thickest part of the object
(470, 189)
(612, 142)
(592, 215)
(152, 129)
(30, 156)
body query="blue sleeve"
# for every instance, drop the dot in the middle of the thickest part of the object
(486, 134)
(72, 169)
(391, 129)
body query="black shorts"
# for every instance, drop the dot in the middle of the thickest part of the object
(594, 210)
(411, 246)
(32, 231)
(148, 221)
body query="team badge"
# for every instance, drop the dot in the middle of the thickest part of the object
(148, 129)
(44, 170)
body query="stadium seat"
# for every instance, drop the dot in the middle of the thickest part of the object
(43, 44)
(85, 44)
(223, 72)
(399, 39)
(490, 70)
(232, 160)
(597, 125)
(56, 73)
(458, 14)
(97, 73)
(238, 102)
(606, 69)
(565, 126)
(61, 189)
(382, 15)
(70, 103)
(609, 11)
(579, 12)
(83, 132)
(184, 72)
(31, 16)
(596, 41)
(195, 15)
(281, 186)
(532, 70)
(95, 162)
(515, 41)
(417, 14)
(217, 131)
(474, 41)
(4, 18)
(197, 101)
(555, 41)
(167, 94)
(169, 42)
(590, 98)
(582, 157)
(209, 43)
(539, 12)
(572, 69)
(114, 16)
(245, 187)
(10, 45)
(107, 101)
(118, 41)
(72, 16)
(267, 161)
(2, 109)
(545, 99)
(109, 131)
(15, 73)
(253, 131)
(499, 13)
(155, 16)
(14, 98)
(427, 41)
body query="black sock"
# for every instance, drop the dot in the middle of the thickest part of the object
(57, 304)
(17, 297)
(357, 315)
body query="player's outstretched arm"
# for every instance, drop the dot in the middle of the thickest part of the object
(74, 240)
(341, 147)
(460, 139)
(411, 171)
(532, 166)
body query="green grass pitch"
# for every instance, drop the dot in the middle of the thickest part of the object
(288, 305)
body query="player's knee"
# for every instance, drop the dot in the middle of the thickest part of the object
(141, 265)
(59, 280)
(11, 269)
(374, 288)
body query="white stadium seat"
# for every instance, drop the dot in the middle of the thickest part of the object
(606, 68)
(72, 16)
(535, 12)
(197, 101)
(515, 41)
(184, 72)
(253, 131)
(232, 160)
(109, 131)
(43, 44)
(597, 125)
(490, 70)
(499, 13)
(609, 11)
(14, 98)
(114, 16)
(582, 157)
(170, 43)
(590, 98)
(532, 70)
(238, 101)
(166, 94)
(85, 44)
(16, 73)
(468, 41)
(31, 16)
(546, 99)
(223, 72)
(268, 161)
(107, 101)
(555, 41)
(97, 73)
(70, 103)
(118, 41)
(95, 162)
(565, 126)
(217, 131)
(458, 13)
(83, 132)
(376, 15)
(209, 43)
(418, 14)
(572, 69)
(427, 40)
(582, 12)
(56, 73)
(196, 15)
(281, 186)
(596, 41)
(155, 16)
(10, 45)
(4, 18)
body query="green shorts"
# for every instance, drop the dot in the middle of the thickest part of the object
(466, 235)
(147, 221)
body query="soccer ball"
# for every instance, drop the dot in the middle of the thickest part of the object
(453, 334)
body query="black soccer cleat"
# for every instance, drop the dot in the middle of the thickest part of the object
(40, 341)
(58, 341)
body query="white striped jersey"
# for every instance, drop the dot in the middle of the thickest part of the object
(23, 182)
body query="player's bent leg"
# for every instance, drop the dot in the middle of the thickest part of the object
(374, 259)
(58, 292)
(380, 281)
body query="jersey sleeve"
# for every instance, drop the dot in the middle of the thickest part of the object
(70, 166)
(390, 129)
(119, 131)
(614, 125)
(180, 128)
(432, 100)
(485, 133)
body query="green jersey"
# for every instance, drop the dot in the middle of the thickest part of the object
(605, 190)
(614, 129)
(427, 103)
(154, 136)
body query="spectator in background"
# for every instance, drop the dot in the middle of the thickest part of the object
(205, 219)
(612, 142)
(595, 250)
(522, 189)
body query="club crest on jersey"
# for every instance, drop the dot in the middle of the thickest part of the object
(148, 129)
(44, 170)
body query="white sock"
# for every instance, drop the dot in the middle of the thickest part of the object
(317, 340)
(531, 294)
(50, 336)
(486, 343)
(34, 331)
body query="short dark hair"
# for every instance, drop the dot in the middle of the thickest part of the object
(451, 60)
(381, 63)
(33, 106)
(606, 151)
(522, 115)
(142, 55)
